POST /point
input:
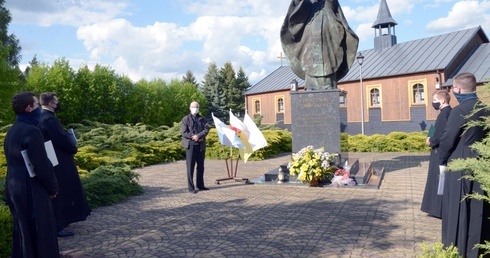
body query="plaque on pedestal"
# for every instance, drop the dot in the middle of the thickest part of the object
(315, 119)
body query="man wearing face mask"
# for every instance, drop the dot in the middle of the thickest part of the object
(71, 206)
(194, 131)
(29, 195)
(464, 222)
(432, 202)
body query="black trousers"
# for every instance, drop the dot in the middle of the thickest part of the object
(195, 156)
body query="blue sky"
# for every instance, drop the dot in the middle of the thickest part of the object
(147, 39)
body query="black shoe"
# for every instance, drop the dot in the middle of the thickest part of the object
(203, 189)
(193, 191)
(65, 233)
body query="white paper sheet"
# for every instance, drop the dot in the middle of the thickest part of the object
(51, 154)
(27, 161)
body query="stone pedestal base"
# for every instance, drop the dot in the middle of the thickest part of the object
(315, 120)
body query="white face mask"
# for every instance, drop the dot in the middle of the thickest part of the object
(194, 110)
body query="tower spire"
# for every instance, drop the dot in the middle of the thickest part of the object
(384, 28)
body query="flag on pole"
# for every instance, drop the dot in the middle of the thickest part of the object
(255, 138)
(241, 129)
(227, 136)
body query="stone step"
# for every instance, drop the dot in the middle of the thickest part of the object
(363, 172)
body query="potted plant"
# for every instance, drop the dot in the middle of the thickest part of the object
(311, 165)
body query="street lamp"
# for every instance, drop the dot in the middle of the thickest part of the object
(360, 59)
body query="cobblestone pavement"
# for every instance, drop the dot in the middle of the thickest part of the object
(235, 219)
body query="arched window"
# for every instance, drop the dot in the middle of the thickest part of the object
(280, 105)
(375, 100)
(257, 106)
(418, 93)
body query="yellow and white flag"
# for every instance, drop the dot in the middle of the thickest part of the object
(250, 135)
(255, 138)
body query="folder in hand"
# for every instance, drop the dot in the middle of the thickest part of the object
(440, 186)
(431, 131)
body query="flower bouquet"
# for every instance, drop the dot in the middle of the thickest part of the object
(341, 177)
(311, 164)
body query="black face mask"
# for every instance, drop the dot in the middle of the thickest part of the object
(436, 105)
(58, 107)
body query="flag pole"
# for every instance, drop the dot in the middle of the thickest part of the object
(236, 168)
(229, 169)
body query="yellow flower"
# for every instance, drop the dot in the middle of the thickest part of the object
(307, 163)
(318, 171)
(305, 167)
(307, 157)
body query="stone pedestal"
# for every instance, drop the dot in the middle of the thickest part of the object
(315, 119)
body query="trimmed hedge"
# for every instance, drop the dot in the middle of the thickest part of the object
(393, 142)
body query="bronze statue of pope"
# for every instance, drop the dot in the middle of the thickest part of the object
(318, 42)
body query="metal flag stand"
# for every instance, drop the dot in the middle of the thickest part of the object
(229, 169)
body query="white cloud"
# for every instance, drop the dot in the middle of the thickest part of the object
(159, 47)
(463, 15)
(245, 32)
(63, 12)
(236, 8)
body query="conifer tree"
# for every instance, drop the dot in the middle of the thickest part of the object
(214, 93)
(8, 40)
(228, 82)
(189, 78)
(242, 85)
(9, 71)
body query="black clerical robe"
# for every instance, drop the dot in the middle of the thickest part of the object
(464, 223)
(71, 204)
(34, 230)
(431, 202)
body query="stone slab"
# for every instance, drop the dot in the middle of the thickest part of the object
(315, 120)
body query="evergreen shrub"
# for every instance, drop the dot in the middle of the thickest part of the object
(108, 185)
(344, 142)
(393, 142)
(5, 231)
(356, 143)
(437, 250)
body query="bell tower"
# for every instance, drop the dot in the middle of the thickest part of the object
(384, 28)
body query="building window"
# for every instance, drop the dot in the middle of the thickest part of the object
(418, 93)
(280, 105)
(375, 97)
(257, 106)
(342, 99)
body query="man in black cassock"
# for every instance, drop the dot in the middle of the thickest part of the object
(432, 202)
(29, 198)
(464, 222)
(71, 205)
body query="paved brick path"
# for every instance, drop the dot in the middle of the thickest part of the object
(234, 219)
